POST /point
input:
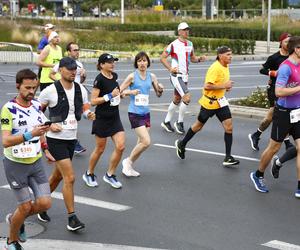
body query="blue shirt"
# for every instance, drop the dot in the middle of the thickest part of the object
(144, 87)
(43, 43)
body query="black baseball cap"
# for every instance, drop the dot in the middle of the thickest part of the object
(223, 49)
(68, 63)
(107, 58)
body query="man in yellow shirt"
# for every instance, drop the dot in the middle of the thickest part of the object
(213, 102)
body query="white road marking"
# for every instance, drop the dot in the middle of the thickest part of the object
(88, 201)
(208, 152)
(253, 63)
(47, 244)
(276, 244)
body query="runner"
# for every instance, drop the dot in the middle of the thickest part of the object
(139, 82)
(48, 28)
(106, 97)
(213, 102)
(73, 52)
(22, 124)
(270, 68)
(182, 53)
(66, 101)
(286, 118)
(49, 56)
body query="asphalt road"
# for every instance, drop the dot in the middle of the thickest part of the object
(177, 204)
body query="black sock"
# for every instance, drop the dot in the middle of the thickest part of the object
(289, 154)
(257, 133)
(287, 143)
(298, 184)
(228, 143)
(189, 135)
(259, 174)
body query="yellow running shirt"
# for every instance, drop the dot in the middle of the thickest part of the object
(217, 74)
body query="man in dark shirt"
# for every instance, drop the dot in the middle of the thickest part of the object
(270, 68)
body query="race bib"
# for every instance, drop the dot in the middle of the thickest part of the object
(223, 102)
(295, 116)
(25, 150)
(141, 100)
(70, 122)
(115, 101)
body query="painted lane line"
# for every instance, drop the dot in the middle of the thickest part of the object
(88, 201)
(276, 244)
(47, 244)
(208, 152)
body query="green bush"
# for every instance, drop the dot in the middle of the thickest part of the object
(258, 98)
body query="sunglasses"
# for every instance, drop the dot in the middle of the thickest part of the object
(76, 50)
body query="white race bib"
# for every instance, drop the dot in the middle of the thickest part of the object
(25, 150)
(141, 100)
(223, 102)
(70, 122)
(295, 115)
(115, 101)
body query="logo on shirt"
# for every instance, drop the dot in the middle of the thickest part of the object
(4, 121)
(22, 123)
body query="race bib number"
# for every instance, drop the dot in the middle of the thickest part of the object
(25, 150)
(115, 101)
(295, 116)
(70, 122)
(223, 102)
(141, 100)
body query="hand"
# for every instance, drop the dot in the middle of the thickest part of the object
(91, 116)
(115, 92)
(273, 73)
(228, 85)
(174, 70)
(160, 89)
(202, 58)
(135, 92)
(55, 127)
(40, 130)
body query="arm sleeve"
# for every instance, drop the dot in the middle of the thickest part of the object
(266, 66)
(283, 76)
(6, 119)
(169, 48)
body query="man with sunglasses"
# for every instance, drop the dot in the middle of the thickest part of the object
(182, 53)
(73, 52)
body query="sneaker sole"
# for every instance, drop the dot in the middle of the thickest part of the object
(41, 219)
(273, 160)
(297, 195)
(177, 150)
(259, 190)
(86, 182)
(177, 130)
(165, 128)
(79, 152)
(114, 186)
(230, 164)
(75, 229)
(251, 142)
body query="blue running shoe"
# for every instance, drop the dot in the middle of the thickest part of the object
(259, 183)
(90, 179)
(78, 148)
(297, 193)
(22, 232)
(112, 180)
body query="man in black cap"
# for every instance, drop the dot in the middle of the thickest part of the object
(213, 102)
(66, 101)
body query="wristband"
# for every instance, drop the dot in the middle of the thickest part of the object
(27, 136)
(44, 146)
(85, 113)
(108, 97)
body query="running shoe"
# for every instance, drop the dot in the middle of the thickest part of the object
(78, 148)
(128, 169)
(167, 126)
(259, 183)
(297, 193)
(74, 223)
(90, 179)
(275, 168)
(13, 246)
(229, 160)
(44, 217)
(254, 139)
(112, 180)
(180, 150)
(22, 232)
(179, 127)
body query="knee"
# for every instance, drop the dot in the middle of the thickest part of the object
(99, 150)
(146, 143)
(228, 129)
(70, 179)
(176, 100)
(186, 99)
(44, 203)
(120, 147)
(25, 208)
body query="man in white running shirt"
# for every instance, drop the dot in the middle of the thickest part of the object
(182, 53)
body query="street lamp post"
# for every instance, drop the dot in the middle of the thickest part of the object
(269, 26)
(122, 12)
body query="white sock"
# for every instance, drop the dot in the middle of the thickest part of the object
(278, 163)
(182, 110)
(171, 110)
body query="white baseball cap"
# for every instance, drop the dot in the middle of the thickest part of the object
(49, 26)
(52, 35)
(183, 26)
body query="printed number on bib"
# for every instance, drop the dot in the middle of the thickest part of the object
(295, 116)
(24, 150)
(70, 122)
(141, 100)
(115, 101)
(223, 102)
